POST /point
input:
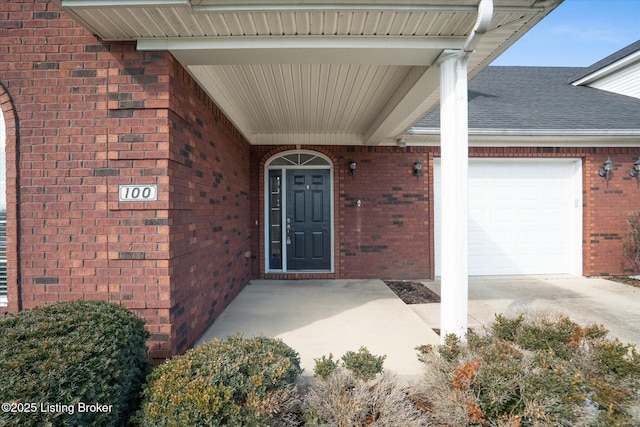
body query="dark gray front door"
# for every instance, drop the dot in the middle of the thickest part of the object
(308, 220)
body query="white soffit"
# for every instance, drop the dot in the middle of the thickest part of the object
(350, 72)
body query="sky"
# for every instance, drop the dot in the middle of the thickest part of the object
(578, 33)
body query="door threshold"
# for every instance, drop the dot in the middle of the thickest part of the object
(300, 272)
(299, 275)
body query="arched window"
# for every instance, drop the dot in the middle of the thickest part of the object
(3, 213)
(299, 159)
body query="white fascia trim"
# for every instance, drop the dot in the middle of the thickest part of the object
(307, 139)
(207, 6)
(610, 69)
(370, 50)
(123, 3)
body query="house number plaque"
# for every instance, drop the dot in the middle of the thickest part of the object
(138, 193)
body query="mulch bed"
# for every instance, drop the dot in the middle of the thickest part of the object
(624, 279)
(412, 292)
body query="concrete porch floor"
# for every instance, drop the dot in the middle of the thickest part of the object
(318, 317)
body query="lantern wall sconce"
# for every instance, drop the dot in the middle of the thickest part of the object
(352, 168)
(417, 168)
(635, 170)
(605, 170)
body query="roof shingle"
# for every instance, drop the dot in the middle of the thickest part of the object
(541, 98)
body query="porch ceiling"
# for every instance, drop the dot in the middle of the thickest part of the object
(313, 71)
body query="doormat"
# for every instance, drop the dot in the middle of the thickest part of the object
(412, 292)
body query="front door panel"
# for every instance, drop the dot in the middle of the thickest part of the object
(308, 220)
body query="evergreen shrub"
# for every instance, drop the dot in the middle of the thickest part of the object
(58, 359)
(235, 382)
(532, 371)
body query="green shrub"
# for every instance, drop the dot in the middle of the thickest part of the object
(229, 382)
(505, 328)
(71, 354)
(532, 371)
(324, 366)
(363, 364)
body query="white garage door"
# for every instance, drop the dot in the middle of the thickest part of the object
(525, 216)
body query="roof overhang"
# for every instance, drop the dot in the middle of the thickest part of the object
(608, 70)
(313, 71)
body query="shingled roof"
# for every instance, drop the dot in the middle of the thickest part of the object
(542, 98)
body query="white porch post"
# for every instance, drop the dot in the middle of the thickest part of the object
(454, 146)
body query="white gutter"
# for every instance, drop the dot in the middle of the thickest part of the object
(121, 3)
(534, 132)
(485, 14)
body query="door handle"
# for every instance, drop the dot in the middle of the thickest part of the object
(288, 231)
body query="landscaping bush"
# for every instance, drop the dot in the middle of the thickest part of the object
(532, 371)
(362, 365)
(247, 382)
(59, 358)
(351, 395)
(631, 244)
(343, 400)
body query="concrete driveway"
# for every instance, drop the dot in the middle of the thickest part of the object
(584, 300)
(318, 317)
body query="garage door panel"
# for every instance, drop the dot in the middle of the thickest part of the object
(524, 216)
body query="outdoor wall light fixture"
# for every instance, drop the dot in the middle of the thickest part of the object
(352, 168)
(605, 170)
(635, 170)
(417, 168)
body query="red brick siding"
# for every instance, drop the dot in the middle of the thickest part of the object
(210, 233)
(370, 240)
(607, 206)
(390, 234)
(90, 117)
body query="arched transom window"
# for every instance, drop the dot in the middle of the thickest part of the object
(300, 159)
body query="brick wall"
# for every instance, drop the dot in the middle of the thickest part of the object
(389, 235)
(84, 117)
(607, 206)
(210, 233)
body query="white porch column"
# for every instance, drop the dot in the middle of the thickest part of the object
(454, 146)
